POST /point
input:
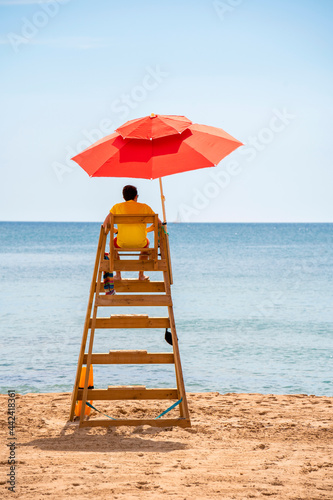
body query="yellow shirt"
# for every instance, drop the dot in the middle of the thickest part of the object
(132, 235)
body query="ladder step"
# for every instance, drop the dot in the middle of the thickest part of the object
(129, 358)
(129, 387)
(130, 352)
(135, 265)
(117, 316)
(138, 286)
(131, 321)
(134, 300)
(160, 422)
(144, 394)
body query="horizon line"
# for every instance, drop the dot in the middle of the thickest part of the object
(171, 222)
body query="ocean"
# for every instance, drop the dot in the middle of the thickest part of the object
(252, 302)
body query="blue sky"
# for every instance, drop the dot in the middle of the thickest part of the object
(74, 70)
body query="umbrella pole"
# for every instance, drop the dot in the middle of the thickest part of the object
(162, 200)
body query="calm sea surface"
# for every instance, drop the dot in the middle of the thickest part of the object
(253, 307)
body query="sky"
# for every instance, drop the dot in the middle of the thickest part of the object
(74, 70)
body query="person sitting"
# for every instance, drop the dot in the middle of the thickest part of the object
(131, 235)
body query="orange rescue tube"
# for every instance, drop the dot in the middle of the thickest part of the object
(78, 404)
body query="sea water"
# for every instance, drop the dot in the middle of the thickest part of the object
(252, 302)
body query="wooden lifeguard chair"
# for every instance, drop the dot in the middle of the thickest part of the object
(131, 292)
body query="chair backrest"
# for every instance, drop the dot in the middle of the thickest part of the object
(134, 219)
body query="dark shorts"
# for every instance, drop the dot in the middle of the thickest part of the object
(117, 246)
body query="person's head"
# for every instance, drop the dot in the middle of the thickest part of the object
(129, 192)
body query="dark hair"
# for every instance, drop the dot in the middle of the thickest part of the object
(129, 192)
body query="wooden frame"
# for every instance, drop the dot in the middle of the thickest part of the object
(130, 293)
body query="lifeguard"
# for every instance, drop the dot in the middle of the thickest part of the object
(131, 235)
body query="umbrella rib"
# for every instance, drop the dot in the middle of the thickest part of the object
(206, 160)
(230, 138)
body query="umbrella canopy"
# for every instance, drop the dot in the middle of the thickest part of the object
(154, 126)
(198, 146)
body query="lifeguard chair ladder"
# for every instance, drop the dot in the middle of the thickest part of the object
(130, 292)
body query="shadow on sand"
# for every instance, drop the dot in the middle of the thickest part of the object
(72, 438)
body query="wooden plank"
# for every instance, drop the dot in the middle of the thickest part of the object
(128, 387)
(90, 349)
(109, 395)
(147, 250)
(160, 422)
(134, 265)
(87, 323)
(123, 358)
(131, 351)
(138, 286)
(134, 300)
(165, 252)
(111, 247)
(155, 254)
(133, 219)
(168, 258)
(118, 316)
(183, 407)
(131, 321)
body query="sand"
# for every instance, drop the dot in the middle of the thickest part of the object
(239, 446)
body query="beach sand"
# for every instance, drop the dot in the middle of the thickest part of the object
(239, 446)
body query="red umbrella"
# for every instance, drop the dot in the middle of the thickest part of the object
(154, 126)
(184, 146)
